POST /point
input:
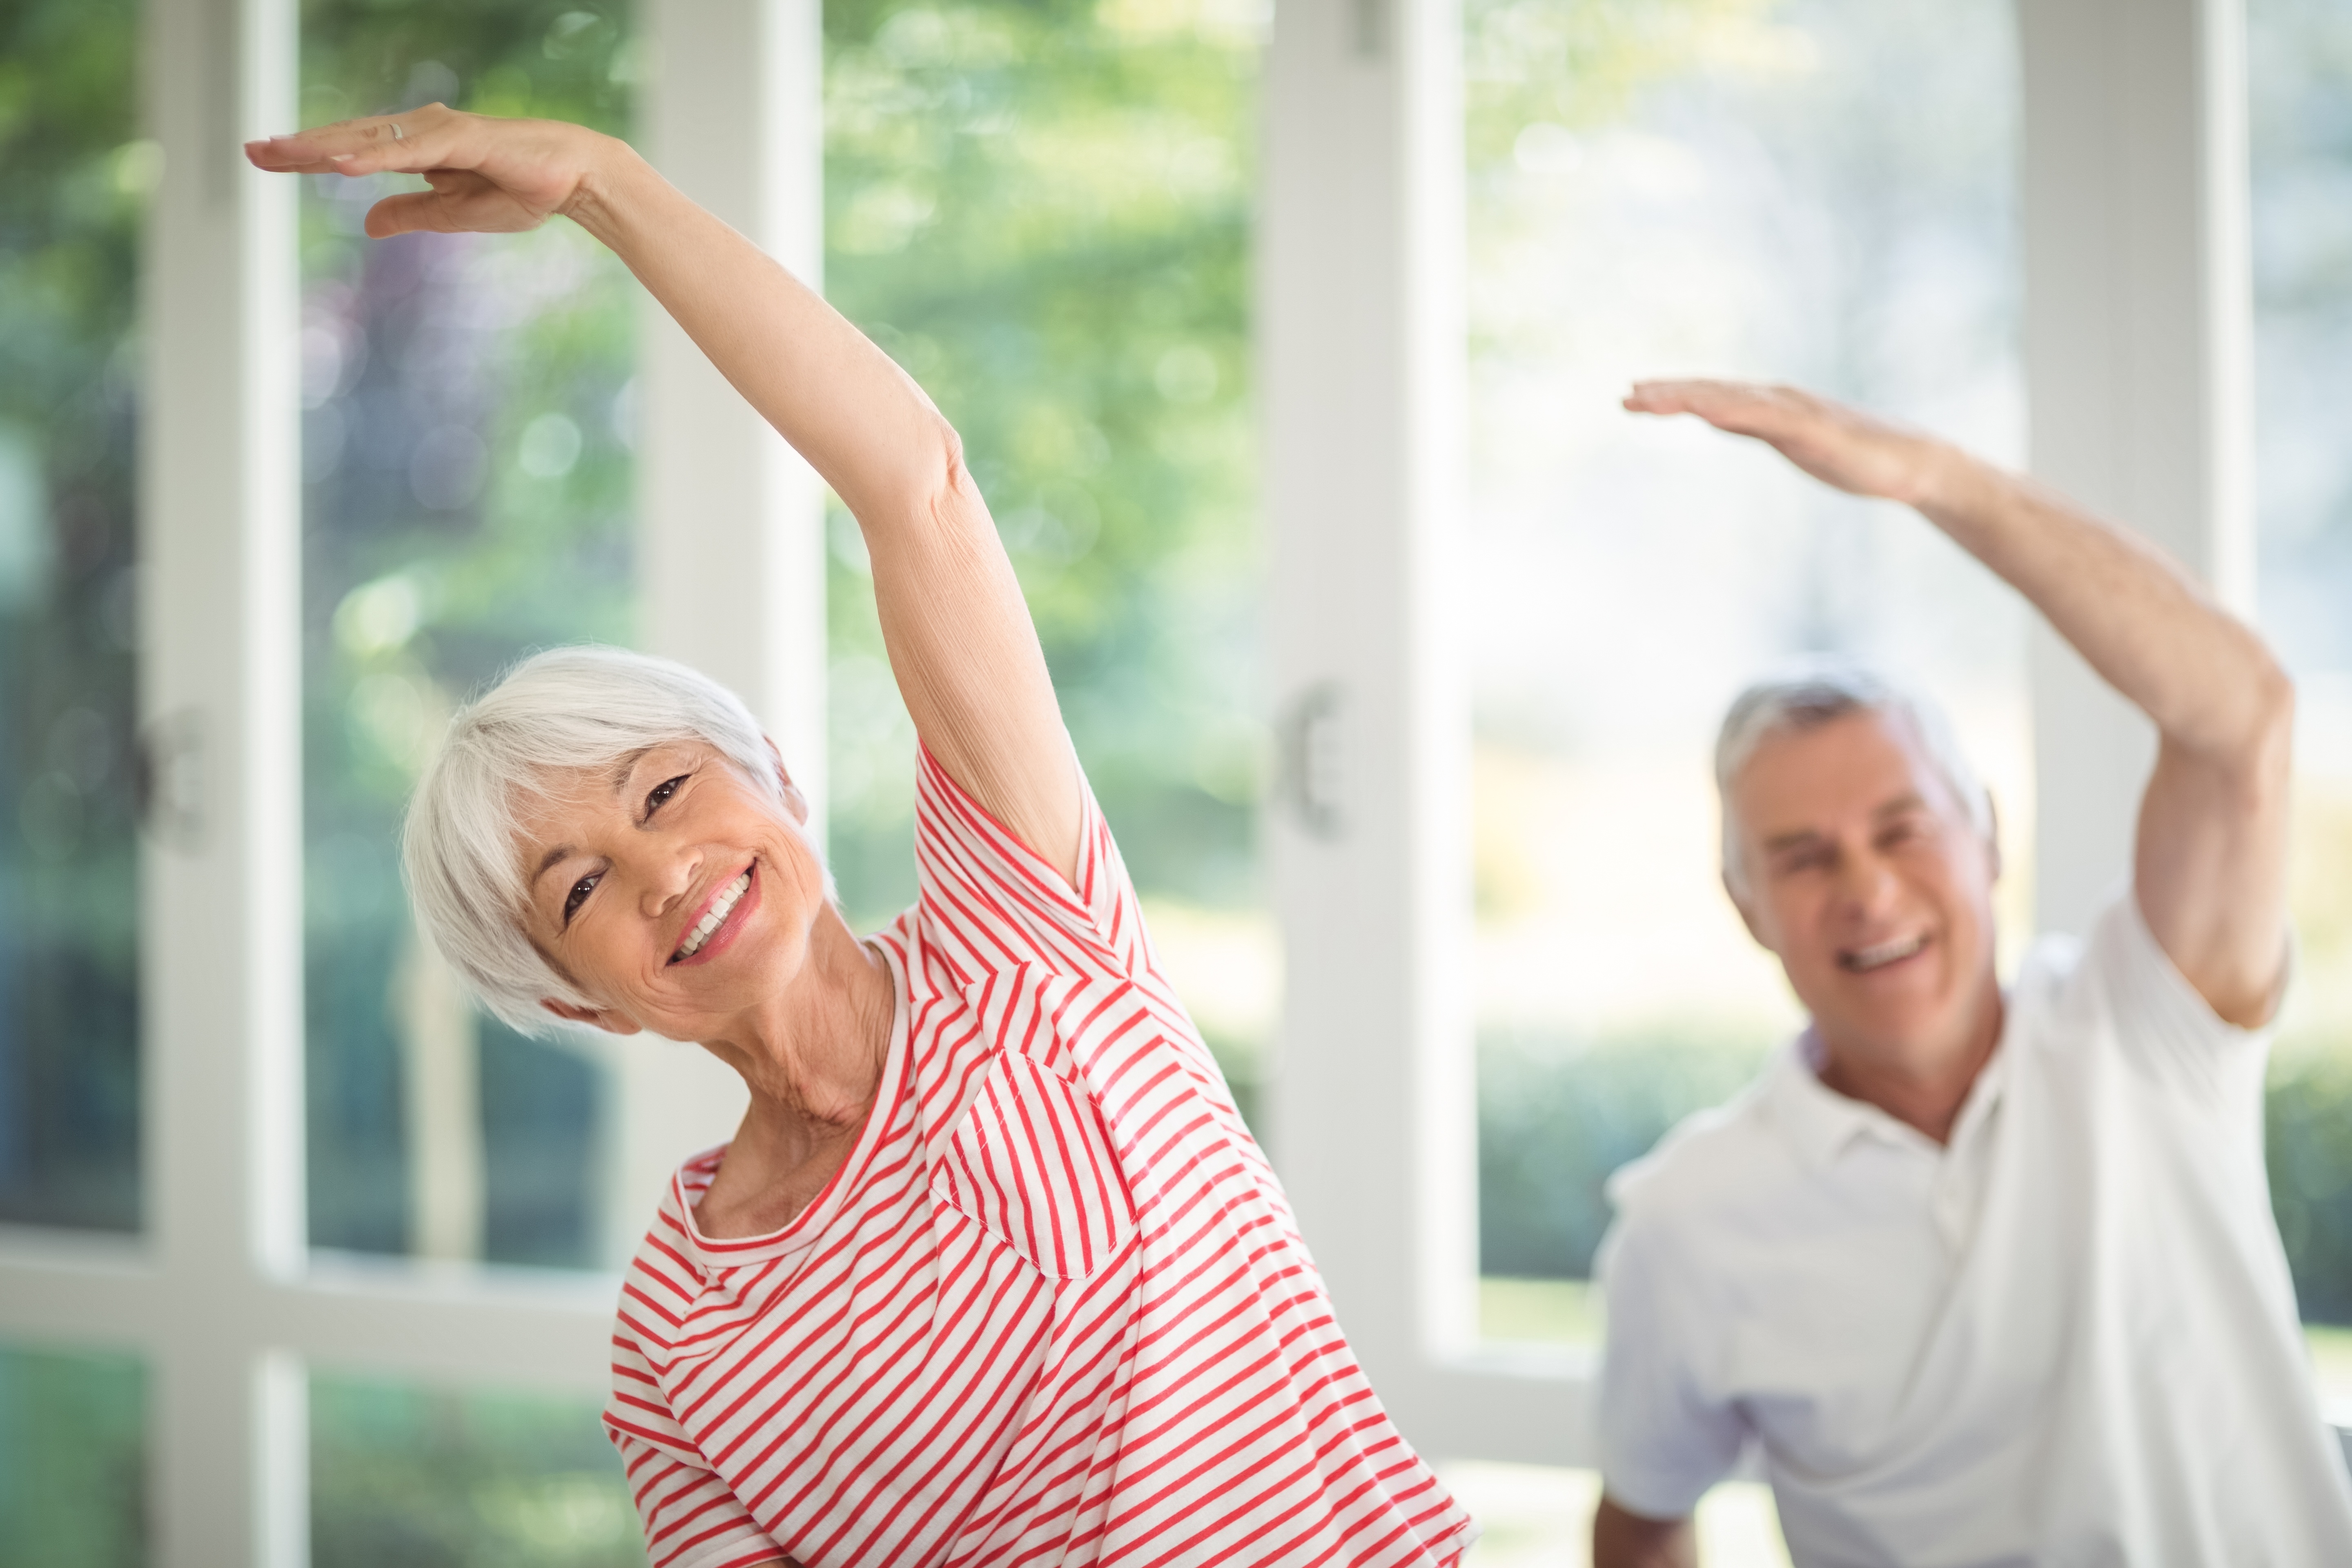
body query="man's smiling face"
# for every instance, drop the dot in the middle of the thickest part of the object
(671, 890)
(1864, 876)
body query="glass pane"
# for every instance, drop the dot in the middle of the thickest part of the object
(1044, 213)
(1536, 1517)
(402, 1475)
(73, 1458)
(73, 179)
(2301, 58)
(466, 500)
(1819, 192)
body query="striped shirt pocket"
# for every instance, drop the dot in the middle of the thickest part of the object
(1031, 1163)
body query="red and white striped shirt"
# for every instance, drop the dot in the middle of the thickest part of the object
(1052, 1310)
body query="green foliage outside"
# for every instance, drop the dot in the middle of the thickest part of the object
(403, 1477)
(73, 1474)
(1556, 1117)
(467, 498)
(1042, 210)
(73, 181)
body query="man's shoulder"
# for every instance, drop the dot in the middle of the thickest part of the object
(1713, 1167)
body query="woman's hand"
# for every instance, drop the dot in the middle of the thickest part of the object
(488, 175)
(958, 631)
(1856, 452)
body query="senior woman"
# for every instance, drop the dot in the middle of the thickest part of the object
(991, 1271)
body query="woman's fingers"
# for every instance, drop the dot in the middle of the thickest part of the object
(460, 202)
(410, 212)
(489, 174)
(407, 143)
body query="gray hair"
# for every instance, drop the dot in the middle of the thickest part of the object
(558, 712)
(1816, 692)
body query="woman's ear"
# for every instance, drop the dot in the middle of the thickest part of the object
(794, 800)
(570, 1012)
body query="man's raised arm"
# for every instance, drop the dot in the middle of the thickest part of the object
(2209, 868)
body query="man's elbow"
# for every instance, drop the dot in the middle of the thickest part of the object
(1626, 1539)
(2274, 704)
(2246, 737)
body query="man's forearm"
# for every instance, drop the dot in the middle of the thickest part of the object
(2150, 631)
(1623, 1540)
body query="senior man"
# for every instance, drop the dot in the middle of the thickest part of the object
(1991, 1276)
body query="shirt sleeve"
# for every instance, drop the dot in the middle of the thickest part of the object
(1665, 1439)
(692, 1519)
(1001, 904)
(2159, 1021)
(990, 904)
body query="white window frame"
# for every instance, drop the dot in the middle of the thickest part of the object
(2137, 348)
(2136, 352)
(220, 1297)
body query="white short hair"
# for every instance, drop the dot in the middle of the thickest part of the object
(1817, 692)
(556, 713)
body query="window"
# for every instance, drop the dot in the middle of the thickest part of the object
(402, 1473)
(465, 501)
(75, 175)
(72, 1442)
(1736, 191)
(2300, 58)
(1046, 218)
(1697, 189)
(70, 205)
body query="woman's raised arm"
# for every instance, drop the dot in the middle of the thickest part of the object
(961, 640)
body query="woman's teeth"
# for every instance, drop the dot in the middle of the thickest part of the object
(1864, 960)
(712, 917)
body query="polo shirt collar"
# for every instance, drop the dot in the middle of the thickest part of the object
(1821, 1123)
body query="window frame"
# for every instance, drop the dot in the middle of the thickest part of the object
(220, 1295)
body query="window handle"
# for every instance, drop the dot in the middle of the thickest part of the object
(1312, 755)
(170, 780)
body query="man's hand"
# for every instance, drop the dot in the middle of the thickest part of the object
(488, 175)
(2209, 864)
(1623, 1540)
(1856, 452)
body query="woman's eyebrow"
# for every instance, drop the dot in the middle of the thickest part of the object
(625, 767)
(549, 861)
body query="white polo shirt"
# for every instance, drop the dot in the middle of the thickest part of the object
(2067, 1338)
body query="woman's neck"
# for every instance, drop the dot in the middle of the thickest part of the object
(812, 1062)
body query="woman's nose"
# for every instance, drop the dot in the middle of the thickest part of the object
(664, 878)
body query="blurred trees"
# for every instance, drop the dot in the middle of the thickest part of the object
(73, 179)
(466, 500)
(1041, 208)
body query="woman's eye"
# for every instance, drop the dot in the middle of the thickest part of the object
(577, 897)
(661, 794)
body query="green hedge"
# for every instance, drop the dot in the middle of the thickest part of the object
(1556, 1116)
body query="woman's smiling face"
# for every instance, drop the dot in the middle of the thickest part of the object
(674, 893)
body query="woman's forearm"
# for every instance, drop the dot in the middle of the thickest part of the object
(866, 427)
(958, 633)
